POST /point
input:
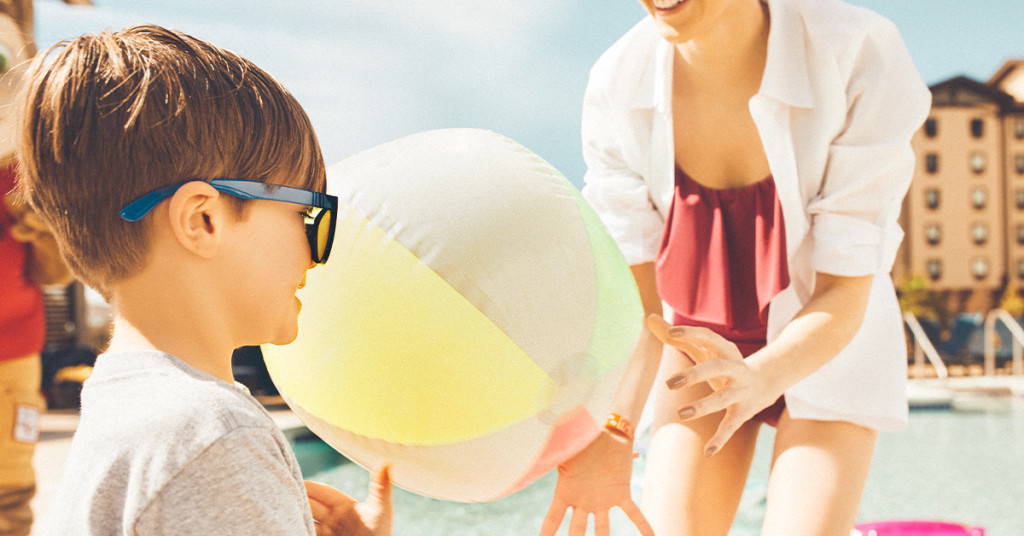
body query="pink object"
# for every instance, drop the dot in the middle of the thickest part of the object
(918, 528)
(565, 441)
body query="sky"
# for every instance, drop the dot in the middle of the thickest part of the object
(369, 71)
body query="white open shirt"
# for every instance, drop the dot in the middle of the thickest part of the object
(838, 104)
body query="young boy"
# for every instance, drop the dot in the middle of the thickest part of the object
(186, 185)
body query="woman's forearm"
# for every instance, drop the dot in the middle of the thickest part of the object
(822, 328)
(646, 354)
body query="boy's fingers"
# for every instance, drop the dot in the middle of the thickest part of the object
(380, 485)
(325, 501)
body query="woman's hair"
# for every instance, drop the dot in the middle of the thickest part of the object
(112, 116)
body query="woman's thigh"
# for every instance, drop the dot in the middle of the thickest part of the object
(686, 493)
(818, 473)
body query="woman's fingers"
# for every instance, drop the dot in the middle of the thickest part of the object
(717, 372)
(602, 525)
(699, 343)
(637, 517)
(731, 422)
(553, 519)
(578, 524)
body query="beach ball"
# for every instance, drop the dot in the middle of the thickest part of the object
(472, 324)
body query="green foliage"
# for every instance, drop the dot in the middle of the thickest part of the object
(917, 298)
(1012, 302)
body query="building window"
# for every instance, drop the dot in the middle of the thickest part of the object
(977, 162)
(934, 269)
(931, 127)
(1020, 234)
(931, 162)
(977, 127)
(1018, 128)
(979, 233)
(933, 233)
(1020, 268)
(979, 268)
(1018, 164)
(979, 198)
(931, 198)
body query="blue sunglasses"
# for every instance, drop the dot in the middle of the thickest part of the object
(320, 220)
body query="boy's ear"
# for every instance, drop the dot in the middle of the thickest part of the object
(196, 212)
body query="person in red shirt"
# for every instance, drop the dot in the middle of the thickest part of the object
(28, 260)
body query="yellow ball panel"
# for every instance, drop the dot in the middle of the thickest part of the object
(410, 360)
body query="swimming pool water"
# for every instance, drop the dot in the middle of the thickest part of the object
(964, 465)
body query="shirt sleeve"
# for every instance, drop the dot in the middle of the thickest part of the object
(618, 194)
(241, 485)
(871, 163)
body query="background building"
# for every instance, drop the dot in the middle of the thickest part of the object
(964, 213)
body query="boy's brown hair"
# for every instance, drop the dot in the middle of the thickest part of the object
(110, 117)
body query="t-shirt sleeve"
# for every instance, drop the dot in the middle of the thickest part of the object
(242, 484)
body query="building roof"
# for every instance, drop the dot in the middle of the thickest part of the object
(1010, 79)
(965, 91)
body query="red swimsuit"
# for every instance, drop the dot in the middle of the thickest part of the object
(722, 260)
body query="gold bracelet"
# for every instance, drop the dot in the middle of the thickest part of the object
(620, 425)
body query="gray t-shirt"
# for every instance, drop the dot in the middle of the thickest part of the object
(163, 448)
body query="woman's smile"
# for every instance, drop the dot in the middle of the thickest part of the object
(665, 5)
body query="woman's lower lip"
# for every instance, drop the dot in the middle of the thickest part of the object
(667, 11)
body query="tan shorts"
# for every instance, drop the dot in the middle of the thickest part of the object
(21, 406)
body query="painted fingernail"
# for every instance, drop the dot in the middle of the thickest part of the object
(676, 381)
(710, 452)
(686, 413)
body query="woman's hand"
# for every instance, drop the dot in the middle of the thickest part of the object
(741, 389)
(337, 514)
(593, 482)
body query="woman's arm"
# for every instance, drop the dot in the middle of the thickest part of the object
(643, 363)
(598, 478)
(822, 328)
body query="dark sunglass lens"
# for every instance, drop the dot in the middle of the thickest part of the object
(323, 233)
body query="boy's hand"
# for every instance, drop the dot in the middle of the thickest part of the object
(337, 514)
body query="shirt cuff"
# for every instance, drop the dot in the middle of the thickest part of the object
(850, 247)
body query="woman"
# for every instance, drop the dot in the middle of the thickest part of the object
(750, 159)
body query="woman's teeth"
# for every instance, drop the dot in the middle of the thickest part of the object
(666, 4)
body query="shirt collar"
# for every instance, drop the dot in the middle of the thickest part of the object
(786, 73)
